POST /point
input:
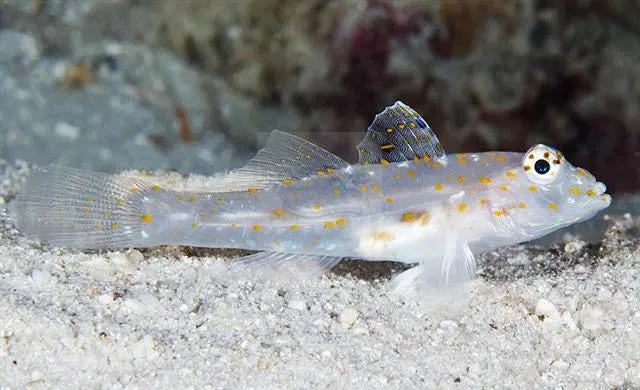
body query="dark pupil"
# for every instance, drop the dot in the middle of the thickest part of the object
(542, 166)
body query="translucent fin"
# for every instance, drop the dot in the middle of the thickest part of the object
(73, 208)
(283, 266)
(284, 157)
(399, 134)
(443, 282)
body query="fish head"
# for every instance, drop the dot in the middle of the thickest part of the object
(555, 192)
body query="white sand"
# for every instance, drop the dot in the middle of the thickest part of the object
(568, 317)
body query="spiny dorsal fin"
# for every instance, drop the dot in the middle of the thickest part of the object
(399, 134)
(285, 157)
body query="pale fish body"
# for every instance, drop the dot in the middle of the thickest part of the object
(306, 209)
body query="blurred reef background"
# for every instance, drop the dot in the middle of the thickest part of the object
(192, 85)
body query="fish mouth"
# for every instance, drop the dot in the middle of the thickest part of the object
(601, 199)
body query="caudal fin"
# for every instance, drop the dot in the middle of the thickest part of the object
(74, 208)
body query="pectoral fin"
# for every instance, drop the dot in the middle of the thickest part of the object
(443, 280)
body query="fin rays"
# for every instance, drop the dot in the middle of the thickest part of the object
(399, 134)
(284, 157)
(74, 208)
(283, 266)
(443, 282)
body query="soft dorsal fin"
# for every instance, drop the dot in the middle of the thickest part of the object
(399, 134)
(285, 157)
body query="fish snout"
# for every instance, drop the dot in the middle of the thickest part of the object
(601, 199)
(599, 188)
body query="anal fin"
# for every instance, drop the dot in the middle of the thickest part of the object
(282, 266)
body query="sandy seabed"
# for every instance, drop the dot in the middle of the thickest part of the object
(561, 317)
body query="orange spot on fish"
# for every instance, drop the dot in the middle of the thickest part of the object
(382, 236)
(408, 217)
(574, 190)
(485, 180)
(146, 218)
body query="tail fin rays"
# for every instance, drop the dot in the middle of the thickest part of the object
(74, 208)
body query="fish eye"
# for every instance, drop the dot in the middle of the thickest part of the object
(542, 164)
